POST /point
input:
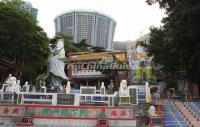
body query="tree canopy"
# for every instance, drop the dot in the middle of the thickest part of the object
(22, 40)
(70, 46)
(176, 45)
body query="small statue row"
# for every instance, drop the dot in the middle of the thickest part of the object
(13, 85)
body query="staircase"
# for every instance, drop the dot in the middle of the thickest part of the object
(194, 107)
(173, 118)
(189, 112)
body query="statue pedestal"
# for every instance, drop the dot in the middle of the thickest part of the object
(124, 101)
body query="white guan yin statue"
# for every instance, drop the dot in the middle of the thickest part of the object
(56, 66)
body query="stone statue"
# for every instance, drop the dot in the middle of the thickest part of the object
(123, 90)
(17, 87)
(8, 79)
(102, 88)
(33, 89)
(111, 86)
(43, 89)
(68, 87)
(26, 87)
(123, 85)
(152, 111)
(56, 65)
(11, 82)
(148, 93)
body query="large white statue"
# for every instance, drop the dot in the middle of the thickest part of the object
(148, 93)
(56, 65)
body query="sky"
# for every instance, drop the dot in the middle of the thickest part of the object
(133, 17)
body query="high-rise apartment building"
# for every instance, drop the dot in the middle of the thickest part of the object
(98, 29)
(27, 6)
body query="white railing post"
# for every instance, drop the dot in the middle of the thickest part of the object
(77, 99)
(54, 99)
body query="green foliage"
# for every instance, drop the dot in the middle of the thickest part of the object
(70, 46)
(98, 49)
(22, 40)
(176, 45)
(110, 66)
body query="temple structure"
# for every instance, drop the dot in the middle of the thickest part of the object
(82, 68)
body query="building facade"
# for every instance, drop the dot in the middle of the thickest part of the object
(96, 28)
(27, 6)
(82, 68)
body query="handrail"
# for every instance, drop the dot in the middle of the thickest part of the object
(53, 97)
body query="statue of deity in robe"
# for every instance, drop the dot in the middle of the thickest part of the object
(55, 72)
(102, 89)
(148, 93)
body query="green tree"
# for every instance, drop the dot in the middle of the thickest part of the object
(110, 66)
(98, 49)
(22, 40)
(176, 45)
(70, 46)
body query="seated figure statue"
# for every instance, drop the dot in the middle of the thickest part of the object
(123, 90)
(8, 79)
(56, 65)
(152, 111)
(11, 83)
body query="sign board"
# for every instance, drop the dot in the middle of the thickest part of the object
(71, 112)
(86, 99)
(37, 98)
(88, 90)
(79, 112)
(8, 96)
(65, 99)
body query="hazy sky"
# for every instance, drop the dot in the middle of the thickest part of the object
(133, 17)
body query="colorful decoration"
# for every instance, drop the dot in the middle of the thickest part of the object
(149, 72)
(66, 112)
